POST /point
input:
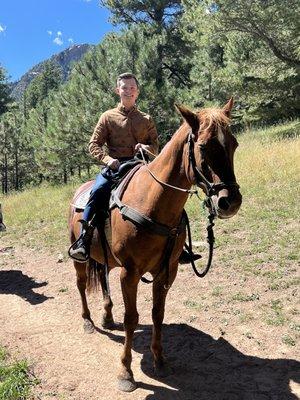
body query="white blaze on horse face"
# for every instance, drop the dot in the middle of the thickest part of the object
(221, 136)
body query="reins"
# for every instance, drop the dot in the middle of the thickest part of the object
(161, 182)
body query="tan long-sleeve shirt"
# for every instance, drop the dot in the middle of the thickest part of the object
(121, 130)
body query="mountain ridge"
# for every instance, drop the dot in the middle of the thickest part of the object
(64, 59)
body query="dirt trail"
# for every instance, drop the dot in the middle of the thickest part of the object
(40, 320)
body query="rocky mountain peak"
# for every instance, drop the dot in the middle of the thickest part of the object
(64, 59)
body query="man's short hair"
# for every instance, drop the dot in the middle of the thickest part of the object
(127, 75)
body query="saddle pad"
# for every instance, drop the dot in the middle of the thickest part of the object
(81, 200)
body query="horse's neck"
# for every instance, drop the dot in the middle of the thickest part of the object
(169, 167)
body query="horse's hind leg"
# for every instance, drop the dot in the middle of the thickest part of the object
(107, 318)
(88, 325)
(161, 368)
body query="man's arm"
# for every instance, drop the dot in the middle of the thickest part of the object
(152, 145)
(98, 140)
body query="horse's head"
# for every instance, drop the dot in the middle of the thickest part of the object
(209, 158)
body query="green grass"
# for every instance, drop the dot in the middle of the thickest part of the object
(243, 297)
(287, 339)
(217, 291)
(275, 314)
(16, 381)
(192, 304)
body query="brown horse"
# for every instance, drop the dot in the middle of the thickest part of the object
(137, 251)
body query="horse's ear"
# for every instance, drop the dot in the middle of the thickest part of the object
(228, 107)
(190, 117)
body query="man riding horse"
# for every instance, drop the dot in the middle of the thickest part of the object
(125, 130)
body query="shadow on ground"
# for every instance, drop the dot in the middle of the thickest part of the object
(15, 282)
(209, 369)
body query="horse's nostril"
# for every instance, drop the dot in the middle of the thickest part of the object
(223, 203)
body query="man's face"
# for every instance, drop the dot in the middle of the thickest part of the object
(128, 92)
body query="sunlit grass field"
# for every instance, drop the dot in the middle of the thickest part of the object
(16, 380)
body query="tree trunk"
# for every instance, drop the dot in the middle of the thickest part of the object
(65, 176)
(17, 187)
(5, 175)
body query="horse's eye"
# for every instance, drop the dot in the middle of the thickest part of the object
(202, 146)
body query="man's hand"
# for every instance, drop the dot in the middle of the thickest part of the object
(114, 164)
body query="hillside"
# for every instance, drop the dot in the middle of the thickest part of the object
(233, 333)
(64, 59)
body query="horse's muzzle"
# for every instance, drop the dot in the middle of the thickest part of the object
(227, 202)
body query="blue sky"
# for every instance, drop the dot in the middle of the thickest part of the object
(33, 30)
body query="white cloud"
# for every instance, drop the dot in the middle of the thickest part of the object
(59, 33)
(70, 40)
(49, 33)
(87, 1)
(58, 41)
(2, 28)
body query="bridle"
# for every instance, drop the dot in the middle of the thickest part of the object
(209, 188)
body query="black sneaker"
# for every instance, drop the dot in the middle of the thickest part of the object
(79, 251)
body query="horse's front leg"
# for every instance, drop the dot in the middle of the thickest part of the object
(88, 325)
(129, 281)
(161, 368)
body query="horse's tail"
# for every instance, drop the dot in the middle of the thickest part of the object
(94, 274)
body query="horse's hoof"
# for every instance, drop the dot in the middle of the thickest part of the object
(163, 370)
(108, 324)
(88, 326)
(127, 385)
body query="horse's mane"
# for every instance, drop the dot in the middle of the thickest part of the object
(208, 117)
(212, 116)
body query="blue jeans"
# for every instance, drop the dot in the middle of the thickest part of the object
(99, 198)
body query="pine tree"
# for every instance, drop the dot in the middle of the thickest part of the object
(49, 79)
(4, 91)
(160, 19)
(264, 82)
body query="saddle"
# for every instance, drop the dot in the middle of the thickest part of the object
(81, 200)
